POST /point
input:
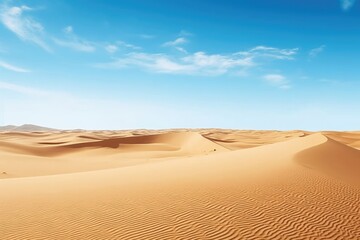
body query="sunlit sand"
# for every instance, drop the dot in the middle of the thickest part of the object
(179, 184)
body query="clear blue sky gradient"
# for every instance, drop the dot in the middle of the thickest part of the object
(125, 64)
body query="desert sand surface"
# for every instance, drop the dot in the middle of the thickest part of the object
(179, 184)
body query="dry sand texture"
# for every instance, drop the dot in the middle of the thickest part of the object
(180, 184)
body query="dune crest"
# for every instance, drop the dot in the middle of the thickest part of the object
(332, 157)
(26, 128)
(188, 141)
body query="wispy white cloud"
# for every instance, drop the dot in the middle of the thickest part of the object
(111, 48)
(347, 4)
(200, 63)
(316, 51)
(127, 45)
(182, 50)
(277, 80)
(13, 68)
(114, 47)
(68, 30)
(197, 63)
(153, 62)
(74, 42)
(176, 42)
(271, 52)
(26, 28)
(216, 64)
(77, 43)
(22, 90)
(184, 33)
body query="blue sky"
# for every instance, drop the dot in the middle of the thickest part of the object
(125, 64)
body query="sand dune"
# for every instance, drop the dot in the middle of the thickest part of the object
(183, 184)
(235, 140)
(25, 128)
(332, 157)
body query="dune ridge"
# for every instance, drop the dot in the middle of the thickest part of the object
(286, 185)
(25, 128)
(332, 157)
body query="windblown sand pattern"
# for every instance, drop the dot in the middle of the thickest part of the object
(180, 184)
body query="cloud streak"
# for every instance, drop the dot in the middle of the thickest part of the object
(277, 80)
(22, 90)
(316, 51)
(111, 48)
(347, 4)
(72, 41)
(271, 53)
(27, 29)
(114, 47)
(200, 63)
(13, 68)
(176, 42)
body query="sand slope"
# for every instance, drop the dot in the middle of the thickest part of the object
(333, 158)
(278, 189)
(34, 154)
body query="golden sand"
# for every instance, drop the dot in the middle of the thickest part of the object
(180, 184)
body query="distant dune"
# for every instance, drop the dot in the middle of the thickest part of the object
(25, 128)
(7, 128)
(178, 184)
